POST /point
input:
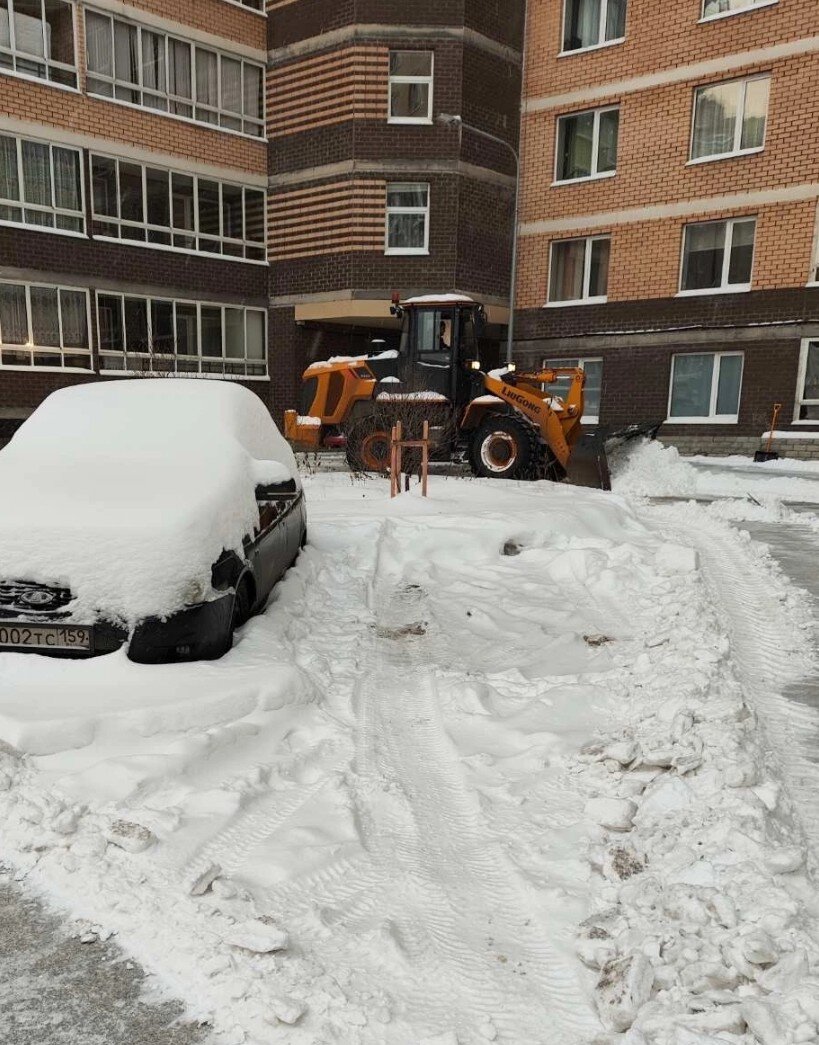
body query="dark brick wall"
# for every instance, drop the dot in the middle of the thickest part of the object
(637, 373)
(91, 260)
(792, 304)
(500, 20)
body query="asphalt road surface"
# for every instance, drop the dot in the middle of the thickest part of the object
(55, 990)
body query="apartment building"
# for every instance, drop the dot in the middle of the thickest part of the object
(133, 175)
(393, 130)
(668, 236)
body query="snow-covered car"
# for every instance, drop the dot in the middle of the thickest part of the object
(158, 513)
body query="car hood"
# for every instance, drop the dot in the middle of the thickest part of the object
(131, 538)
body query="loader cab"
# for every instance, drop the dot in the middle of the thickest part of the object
(439, 338)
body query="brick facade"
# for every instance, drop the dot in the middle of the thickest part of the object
(35, 110)
(333, 152)
(652, 75)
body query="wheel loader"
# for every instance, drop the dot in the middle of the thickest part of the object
(505, 422)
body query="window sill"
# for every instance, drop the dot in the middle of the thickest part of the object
(41, 80)
(43, 228)
(179, 119)
(402, 253)
(804, 424)
(408, 121)
(175, 250)
(743, 288)
(591, 420)
(593, 47)
(183, 376)
(580, 181)
(701, 421)
(579, 301)
(725, 156)
(47, 369)
(732, 14)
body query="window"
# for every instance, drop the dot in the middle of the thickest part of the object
(720, 8)
(182, 337)
(579, 271)
(807, 402)
(411, 86)
(132, 64)
(160, 207)
(254, 5)
(594, 384)
(40, 185)
(587, 144)
(407, 219)
(44, 327)
(705, 387)
(718, 255)
(729, 118)
(593, 23)
(37, 39)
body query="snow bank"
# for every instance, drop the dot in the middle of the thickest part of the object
(650, 469)
(127, 492)
(484, 771)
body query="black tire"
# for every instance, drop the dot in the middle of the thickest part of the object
(368, 446)
(506, 447)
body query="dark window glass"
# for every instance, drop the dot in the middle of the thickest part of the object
(212, 332)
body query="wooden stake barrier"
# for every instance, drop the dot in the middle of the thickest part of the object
(397, 446)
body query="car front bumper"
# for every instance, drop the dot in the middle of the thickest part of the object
(200, 632)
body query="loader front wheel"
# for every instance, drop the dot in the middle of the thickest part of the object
(368, 447)
(504, 447)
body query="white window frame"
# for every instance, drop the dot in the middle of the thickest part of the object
(193, 101)
(428, 80)
(725, 287)
(587, 261)
(753, 5)
(799, 399)
(595, 175)
(604, 11)
(124, 224)
(175, 357)
(39, 207)
(586, 419)
(58, 351)
(23, 56)
(740, 123)
(247, 7)
(713, 418)
(398, 186)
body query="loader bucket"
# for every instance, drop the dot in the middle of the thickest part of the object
(589, 463)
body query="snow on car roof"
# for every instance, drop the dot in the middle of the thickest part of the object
(127, 492)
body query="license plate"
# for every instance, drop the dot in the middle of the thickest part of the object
(45, 637)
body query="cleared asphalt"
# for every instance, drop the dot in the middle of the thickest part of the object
(55, 990)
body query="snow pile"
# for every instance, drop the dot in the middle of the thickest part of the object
(127, 492)
(486, 770)
(650, 469)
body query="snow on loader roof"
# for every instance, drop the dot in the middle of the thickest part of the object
(127, 492)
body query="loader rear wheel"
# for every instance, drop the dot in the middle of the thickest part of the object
(505, 447)
(368, 447)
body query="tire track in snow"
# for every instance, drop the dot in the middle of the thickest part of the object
(768, 657)
(468, 921)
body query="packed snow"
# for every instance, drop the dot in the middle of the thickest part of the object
(507, 764)
(652, 469)
(127, 492)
